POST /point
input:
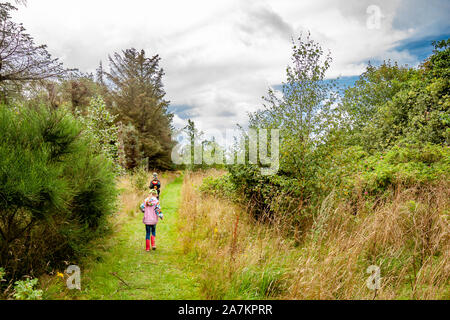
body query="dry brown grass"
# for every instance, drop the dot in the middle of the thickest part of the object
(408, 238)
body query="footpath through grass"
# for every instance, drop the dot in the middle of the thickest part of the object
(124, 270)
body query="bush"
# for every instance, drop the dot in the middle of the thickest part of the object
(408, 165)
(99, 124)
(55, 190)
(24, 290)
(220, 186)
(140, 179)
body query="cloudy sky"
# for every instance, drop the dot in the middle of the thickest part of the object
(221, 56)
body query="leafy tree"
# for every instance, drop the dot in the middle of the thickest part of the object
(304, 115)
(376, 86)
(391, 128)
(100, 124)
(438, 65)
(390, 104)
(21, 61)
(194, 147)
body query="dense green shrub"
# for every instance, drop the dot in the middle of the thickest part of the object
(408, 165)
(24, 290)
(219, 186)
(99, 124)
(56, 190)
(140, 179)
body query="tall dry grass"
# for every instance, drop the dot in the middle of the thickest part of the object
(408, 238)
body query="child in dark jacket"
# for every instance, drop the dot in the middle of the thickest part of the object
(155, 183)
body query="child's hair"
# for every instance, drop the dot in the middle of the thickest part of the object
(153, 191)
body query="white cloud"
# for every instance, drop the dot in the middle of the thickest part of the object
(219, 56)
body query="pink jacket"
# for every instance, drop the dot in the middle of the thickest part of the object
(150, 213)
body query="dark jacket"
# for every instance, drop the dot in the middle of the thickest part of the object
(155, 184)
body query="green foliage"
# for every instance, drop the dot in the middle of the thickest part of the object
(390, 104)
(438, 65)
(99, 124)
(304, 116)
(304, 110)
(140, 179)
(2, 274)
(24, 290)
(376, 86)
(56, 189)
(220, 186)
(257, 283)
(419, 113)
(390, 129)
(137, 95)
(408, 165)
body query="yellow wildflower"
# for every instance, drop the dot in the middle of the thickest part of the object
(59, 274)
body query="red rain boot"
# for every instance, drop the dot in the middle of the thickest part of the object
(147, 245)
(153, 242)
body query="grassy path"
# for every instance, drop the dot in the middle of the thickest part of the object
(158, 275)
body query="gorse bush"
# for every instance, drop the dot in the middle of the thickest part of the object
(56, 190)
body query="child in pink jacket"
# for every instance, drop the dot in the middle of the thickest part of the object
(152, 211)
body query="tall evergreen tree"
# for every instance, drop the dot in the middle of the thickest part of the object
(137, 94)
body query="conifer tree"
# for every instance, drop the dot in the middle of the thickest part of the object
(137, 94)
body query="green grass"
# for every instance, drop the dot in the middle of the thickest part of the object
(159, 275)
